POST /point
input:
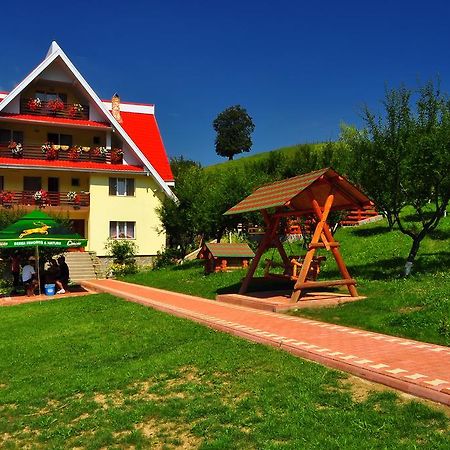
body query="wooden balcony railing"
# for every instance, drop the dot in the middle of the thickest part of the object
(59, 199)
(52, 108)
(35, 152)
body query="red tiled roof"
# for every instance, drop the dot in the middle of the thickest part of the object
(143, 130)
(57, 120)
(82, 165)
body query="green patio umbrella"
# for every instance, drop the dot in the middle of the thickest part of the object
(38, 229)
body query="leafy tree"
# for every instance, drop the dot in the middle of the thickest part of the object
(234, 128)
(403, 159)
(179, 164)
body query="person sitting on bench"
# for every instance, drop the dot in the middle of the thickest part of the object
(29, 277)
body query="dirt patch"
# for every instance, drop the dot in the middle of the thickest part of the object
(25, 438)
(83, 416)
(100, 399)
(361, 389)
(167, 435)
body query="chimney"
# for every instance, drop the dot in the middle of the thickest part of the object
(115, 110)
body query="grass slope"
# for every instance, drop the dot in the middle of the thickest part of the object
(418, 307)
(97, 372)
(288, 151)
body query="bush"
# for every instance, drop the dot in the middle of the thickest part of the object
(119, 270)
(121, 250)
(123, 253)
(168, 257)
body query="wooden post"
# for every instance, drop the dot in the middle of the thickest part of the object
(336, 253)
(265, 243)
(312, 250)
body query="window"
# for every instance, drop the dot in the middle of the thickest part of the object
(2, 183)
(32, 183)
(76, 182)
(48, 96)
(60, 139)
(121, 186)
(10, 135)
(96, 140)
(121, 230)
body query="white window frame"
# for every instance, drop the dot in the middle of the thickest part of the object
(124, 222)
(117, 186)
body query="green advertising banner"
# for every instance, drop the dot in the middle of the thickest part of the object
(38, 229)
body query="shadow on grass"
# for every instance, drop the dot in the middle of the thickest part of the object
(366, 232)
(440, 235)
(389, 269)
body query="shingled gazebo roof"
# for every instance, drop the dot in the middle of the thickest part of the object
(295, 194)
(230, 250)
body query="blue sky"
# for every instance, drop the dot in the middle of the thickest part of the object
(300, 68)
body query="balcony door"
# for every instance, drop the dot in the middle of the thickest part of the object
(30, 186)
(53, 190)
(78, 226)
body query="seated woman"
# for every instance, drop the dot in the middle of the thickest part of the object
(52, 275)
(29, 277)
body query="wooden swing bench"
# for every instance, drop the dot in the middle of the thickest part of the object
(292, 272)
(316, 193)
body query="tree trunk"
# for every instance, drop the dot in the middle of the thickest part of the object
(230, 157)
(412, 254)
(219, 235)
(391, 220)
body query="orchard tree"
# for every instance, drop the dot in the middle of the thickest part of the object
(234, 128)
(403, 159)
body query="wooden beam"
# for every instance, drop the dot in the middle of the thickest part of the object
(296, 294)
(271, 227)
(313, 284)
(336, 253)
(322, 245)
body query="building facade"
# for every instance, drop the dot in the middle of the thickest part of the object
(100, 163)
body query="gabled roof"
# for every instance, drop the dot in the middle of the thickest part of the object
(144, 131)
(55, 52)
(230, 250)
(295, 193)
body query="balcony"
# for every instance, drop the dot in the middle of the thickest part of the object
(78, 200)
(54, 108)
(63, 153)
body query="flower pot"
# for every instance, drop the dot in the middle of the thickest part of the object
(56, 147)
(86, 149)
(64, 147)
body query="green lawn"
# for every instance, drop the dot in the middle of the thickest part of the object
(97, 372)
(418, 307)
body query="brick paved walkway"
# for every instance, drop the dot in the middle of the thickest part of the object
(415, 367)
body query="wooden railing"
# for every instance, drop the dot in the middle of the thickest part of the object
(35, 152)
(50, 108)
(27, 198)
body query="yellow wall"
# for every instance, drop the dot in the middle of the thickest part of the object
(140, 209)
(37, 134)
(13, 179)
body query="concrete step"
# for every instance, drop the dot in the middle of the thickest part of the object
(81, 266)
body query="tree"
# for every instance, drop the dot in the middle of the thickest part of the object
(234, 128)
(404, 159)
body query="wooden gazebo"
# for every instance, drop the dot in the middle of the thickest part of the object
(316, 193)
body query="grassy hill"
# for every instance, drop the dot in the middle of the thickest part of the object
(289, 151)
